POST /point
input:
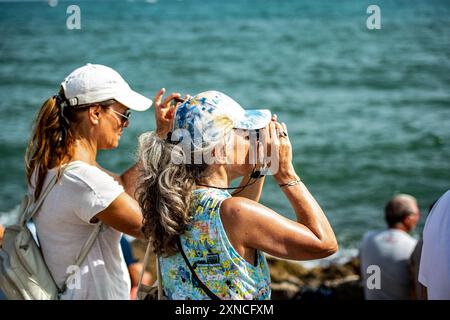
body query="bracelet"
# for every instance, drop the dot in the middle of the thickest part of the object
(291, 183)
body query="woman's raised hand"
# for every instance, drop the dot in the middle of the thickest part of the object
(165, 111)
(276, 141)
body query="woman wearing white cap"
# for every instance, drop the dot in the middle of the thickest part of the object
(89, 114)
(210, 244)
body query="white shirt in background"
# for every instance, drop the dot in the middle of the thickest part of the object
(434, 272)
(389, 250)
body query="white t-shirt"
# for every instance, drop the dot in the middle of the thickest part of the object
(389, 250)
(63, 226)
(434, 272)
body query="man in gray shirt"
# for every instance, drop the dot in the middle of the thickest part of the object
(385, 254)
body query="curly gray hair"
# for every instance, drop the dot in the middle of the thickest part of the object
(164, 191)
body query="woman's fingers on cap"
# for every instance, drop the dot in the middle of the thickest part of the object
(171, 97)
(173, 109)
(159, 95)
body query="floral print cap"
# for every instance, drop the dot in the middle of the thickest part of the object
(210, 115)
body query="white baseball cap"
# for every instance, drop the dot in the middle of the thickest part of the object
(96, 83)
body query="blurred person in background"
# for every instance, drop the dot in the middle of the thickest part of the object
(390, 250)
(434, 272)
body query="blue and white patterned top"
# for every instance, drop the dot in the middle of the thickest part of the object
(216, 262)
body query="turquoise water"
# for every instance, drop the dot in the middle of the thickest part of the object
(368, 110)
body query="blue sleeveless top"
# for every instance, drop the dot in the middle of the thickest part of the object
(216, 262)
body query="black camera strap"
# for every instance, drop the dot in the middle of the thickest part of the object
(208, 292)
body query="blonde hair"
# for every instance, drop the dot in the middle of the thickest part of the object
(51, 143)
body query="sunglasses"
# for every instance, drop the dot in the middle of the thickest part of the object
(125, 116)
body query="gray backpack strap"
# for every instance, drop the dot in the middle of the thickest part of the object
(34, 207)
(29, 214)
(84, 252)
(158, 272)
(144, 264)
(31, 211)
(88, 244)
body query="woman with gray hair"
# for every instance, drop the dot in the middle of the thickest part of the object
(210, 245)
